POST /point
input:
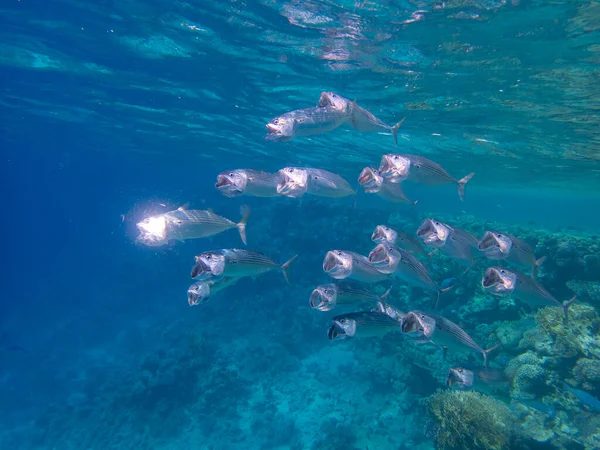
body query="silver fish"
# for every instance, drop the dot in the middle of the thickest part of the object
(326, 296)
(497, 246)
(362, 324)
(254, 183)
(340, 264)
(201, 291)
(361, 119)
(441, 332)
(400, 238)
(183, 224)
(373, 183)
(400, 167)
(305, 122)
(462, 377)
(453, 242)
(297, 181)
(502, 282)
(237, 263)
(390, 259)
(390, 310)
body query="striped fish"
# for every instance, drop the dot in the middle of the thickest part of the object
(254, 183)
(341, 264)
(305, 122)
(344, 292)
(362, 324)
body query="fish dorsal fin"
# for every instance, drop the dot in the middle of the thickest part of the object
(210, 210)
(183, 207)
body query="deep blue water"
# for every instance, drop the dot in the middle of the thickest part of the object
(109, 109)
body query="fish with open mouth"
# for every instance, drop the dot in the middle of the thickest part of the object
(373, 183)
(362, 324)
(201, 291)
(182, 224)
(341, 264)
(441, 332)
(497, 246)
(236, 263)
(400, 238)
(249, 182)
(360, 118)
(399, 167)
(390, 259)
(479, 377)
(297, 181)
(453, 242)
(326, 296)
(502, 282)
(305, 122)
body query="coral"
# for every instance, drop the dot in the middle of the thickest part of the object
(467, 419)
(587, 374)
(529, 378)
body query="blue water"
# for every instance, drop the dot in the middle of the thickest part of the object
(110, 109)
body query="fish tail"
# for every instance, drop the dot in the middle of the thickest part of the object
(440, 292)
(461, 185)
(414, 203)
(285, 268)
(565, 307)
(487, 352)
(242, 225)
(536, 266)
(395, 131)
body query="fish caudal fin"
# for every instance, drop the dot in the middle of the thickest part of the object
(461, 185)
(386, 294)
(536, 266)
(242, 226)
(395, 131)
(565, 307)
(487, 352)
(285, 268)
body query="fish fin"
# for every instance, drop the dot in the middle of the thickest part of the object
(566, 308)
(444, 353)
(536, 266)
(286, 266)
(487, 352)
(415, 203)
(383, 298)
(395, 131)
(242, 226)
(461, 185)
(210, 210)
(183, 207)
(433, 252)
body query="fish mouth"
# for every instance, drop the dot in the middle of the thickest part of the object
(452, 379)
(488, 242)
(411, 323)
(223, 181)
(331, 262)
(193, 298)
(334, 332)
(491, 278)
(426, 229)
(378, 256)
(201, 270)
(377, 236)
(324, 99)
(316, 299)
(369, 179)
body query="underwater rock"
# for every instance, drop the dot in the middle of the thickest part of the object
(468, 420)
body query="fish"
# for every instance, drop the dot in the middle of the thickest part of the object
(502, 282)
(182, 224)
(248, 182)
(326, 296)
(361, 119)
(296, 181)
(462, 377)
(237, 263)
(498, 246)
(441, 332)
(455, 243)
(541, 407)
(305, 122)
(401, 238)
(400, 167)
(393, 312)
(339, 264)
(201, 291)
(584, 397)
(362, 324)
(373, 183)
(390, 259)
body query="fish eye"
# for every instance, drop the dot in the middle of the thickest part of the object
(503, 271)
(208, 256)
(390, 248)
(230, 174)
(276, 121)
(316, 177)
(422, 316)
(498, 235)
(339, 253)
(460, 371)
(395, 157)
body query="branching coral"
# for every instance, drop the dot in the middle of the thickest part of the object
(467, 419)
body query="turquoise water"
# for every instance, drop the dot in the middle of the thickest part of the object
(116, 111)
